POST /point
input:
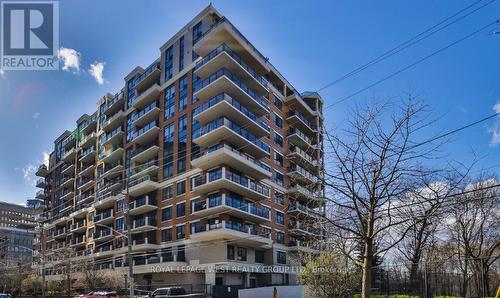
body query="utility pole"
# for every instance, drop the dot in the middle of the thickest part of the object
(42, 248)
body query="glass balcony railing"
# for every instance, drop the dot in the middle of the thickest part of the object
(110, 135)
(217, 123)
(224, 97)
(142, 179)
(134, 135)
(118, 96)
(300, 134)
(234, 177)
(144, 111)
(150, 221)
(303, 172)
(224, 72)
(224, 48)
(139, 168)
(302, 118)
(146, 73)
(245, 156)
(142, 201)
(103, 215)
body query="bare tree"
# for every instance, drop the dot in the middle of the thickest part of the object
(371, 168)
(474, 221)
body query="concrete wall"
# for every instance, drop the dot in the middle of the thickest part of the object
(282, 292)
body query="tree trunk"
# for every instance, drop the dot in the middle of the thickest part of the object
(366, 286)
(414, 277)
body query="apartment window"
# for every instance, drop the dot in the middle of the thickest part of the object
(180, 209)
(170, 101)
(181, 53)
(179, 232)
(197, 32)
(183, 82)
(278, 121)
(230, 252)
(182, 144)
(266, 232)
(119, 224)
(242, 254)
(197, 205)
(195, 128)
(278, 140)
(167, 193)
(181, 253)
(119, 205)
(259, 256)
(281, 257)
(195, 227)
(168, 153)
(277, 102)
(166, 235)
(169, 63)
(278, 158)
(279, 198)
(278, 178)
(280, 218)
(166, 213)
(181, 187)
(280, 237)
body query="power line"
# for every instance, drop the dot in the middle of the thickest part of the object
(415, 39)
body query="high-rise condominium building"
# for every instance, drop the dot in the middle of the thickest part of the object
(215, 155)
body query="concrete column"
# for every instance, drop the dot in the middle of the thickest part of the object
(246, 279)
(209, 278)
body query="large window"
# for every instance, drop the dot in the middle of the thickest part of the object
(119, 224)
(280, 218)
(279, 178)
(167, 193)
(179, 232)
(168, 153)
(278, 121)
(278, 140)
(259, 256)
(180, 209)
(166, 213)
(242, 254)
(195, 128)
(230, 252)
(280, 237)
(182, 144)
(166, 235)
(181, 53)
(169, 63)
(183, 83)
(181, 187)
(281, 257)
(170, 101)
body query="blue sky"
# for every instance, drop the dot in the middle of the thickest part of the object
(311, 43)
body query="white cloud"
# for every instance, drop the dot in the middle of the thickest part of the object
(36, 115)
(71, 59)
(96, 70)
(29, 174)
(495, 130)
(2, 73)
(45, 157)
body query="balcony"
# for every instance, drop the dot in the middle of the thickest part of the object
(143, 244)
(301, 157)
(148, 77)
(41, 183)
(60, 233)
(143, 185)
(85, 197)
(144, 154)
(303, 194)
(69, 156)
(114, 137)
(103, 235)
(88, 155)
(300, 210)
(224, 32)
(146, 115)
(70, 141)
(106, 201)
(68, 182)
(87, 171)
(224, 178)
(146, 134)
(142, 205)
(41, 194)
(298, 138)
(88, 141)
(148, 96)
(112, 185)
(113, 121)
(230, 231)
(223, 55)
(147, 168)
(299, 173)
(223, 105)
(67, 195)
(79, 227)
(68, 170)
(296, 101)
(104, 218)
(85, 184)
(303, 229)
(42, 171)
(304, 246)
(224, 81)
(224, 129)
(78, 241)
(143, 224)
(225, 204)
(112, 170)
(225, 154)
(88, 125)
(297, 119)
(111, 155)
(114, 104)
